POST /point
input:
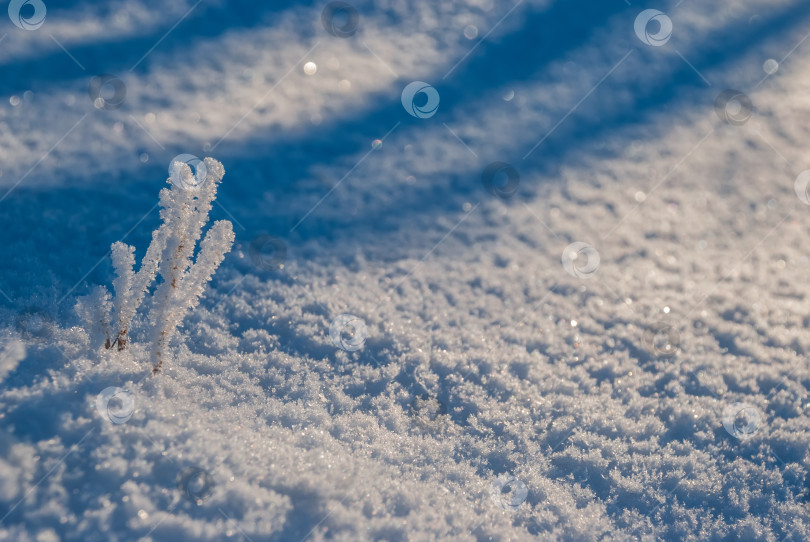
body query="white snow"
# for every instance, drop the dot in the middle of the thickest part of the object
(426, 345)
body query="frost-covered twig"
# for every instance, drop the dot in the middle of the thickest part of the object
(183, 282)
(185, 207)
(130, 287)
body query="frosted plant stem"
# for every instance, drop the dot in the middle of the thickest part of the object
(183, 283)
(184, 211)
(173, 257)
(141, 282)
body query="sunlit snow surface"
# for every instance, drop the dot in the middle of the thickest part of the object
(402, 344)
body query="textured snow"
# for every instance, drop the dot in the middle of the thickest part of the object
(398, 348)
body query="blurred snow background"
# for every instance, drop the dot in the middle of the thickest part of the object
(603, 397)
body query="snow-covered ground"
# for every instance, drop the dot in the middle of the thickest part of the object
(504, 391)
